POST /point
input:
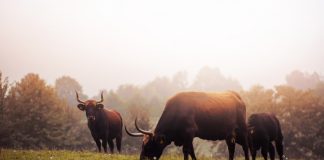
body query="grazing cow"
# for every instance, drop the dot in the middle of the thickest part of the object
(105, 125)
(263, 129)
(210, 116)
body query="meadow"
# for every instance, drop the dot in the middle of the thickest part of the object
(9, 154)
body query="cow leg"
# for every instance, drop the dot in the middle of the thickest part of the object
(187, 150)
(231, 148)
(118, 143)
(245, 146)
(97, 140)
(187, 146)
(111, 146)
(253, 153)
(192, 152)
(271, 151)
(242, 139)
(104, 145)
(264, 150)
(253, 149)
(279, 147)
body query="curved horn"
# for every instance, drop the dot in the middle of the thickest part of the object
(133, 134)
(101, 98)
(77, 96)
(141, 130)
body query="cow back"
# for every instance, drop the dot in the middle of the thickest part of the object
(266, 126)
(115, 123)
(211, 115)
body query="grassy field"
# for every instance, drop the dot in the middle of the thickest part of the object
(6, 154)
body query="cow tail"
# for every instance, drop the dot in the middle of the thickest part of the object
(122, 122)
(279, 141)
(241, 112)
(280, 136)
(243, 131)
(241, 119)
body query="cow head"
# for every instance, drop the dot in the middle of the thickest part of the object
(91, 107)
(153, 144)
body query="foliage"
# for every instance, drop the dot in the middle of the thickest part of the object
(211, 79)
(3, 94)
(65, 88)
(304, 81)
(37, 118)
(34, 113)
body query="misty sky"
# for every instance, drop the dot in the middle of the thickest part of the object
(105, 43)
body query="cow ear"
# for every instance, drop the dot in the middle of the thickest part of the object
(100, 106)
(82, 107)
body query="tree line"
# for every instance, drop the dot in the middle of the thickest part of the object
(36, 115)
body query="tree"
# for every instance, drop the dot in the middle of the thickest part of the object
(258, 99)
(113, 101)
(319, 91)
(3, 93)
(180, 81)
(35, 113)
(301, 114)
(136, 108)
(211, 79)
(302, 80)
(65, 88)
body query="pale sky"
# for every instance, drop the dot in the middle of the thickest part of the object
(105, 43)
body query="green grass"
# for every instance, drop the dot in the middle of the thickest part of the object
(8, 154)
(59, 155)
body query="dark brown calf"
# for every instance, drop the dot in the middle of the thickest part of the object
(264, 128)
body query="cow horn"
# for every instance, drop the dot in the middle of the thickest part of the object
(133, 134)
(77, 96)
(101, 98)
(141, 130)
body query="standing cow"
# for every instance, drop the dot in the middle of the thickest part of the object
(263, 129)
(210, 116)
(105, 125)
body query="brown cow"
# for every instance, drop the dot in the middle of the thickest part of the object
(210, 116)
(105, 125)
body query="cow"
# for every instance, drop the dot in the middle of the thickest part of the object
(209, 116)
(105, 125)
(263, 129)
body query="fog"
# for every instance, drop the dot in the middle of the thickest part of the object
(103, 44)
